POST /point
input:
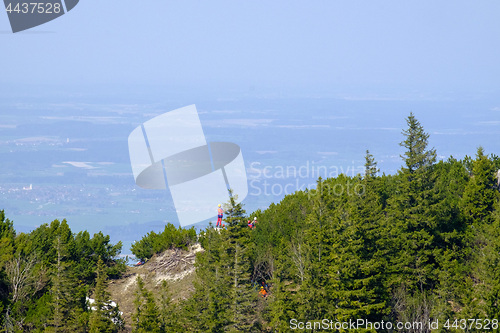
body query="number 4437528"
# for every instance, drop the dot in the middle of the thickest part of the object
(34, 7)
(478, 324)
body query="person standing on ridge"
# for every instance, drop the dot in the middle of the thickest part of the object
(220, 214)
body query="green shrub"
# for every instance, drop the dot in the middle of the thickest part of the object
(171, 237)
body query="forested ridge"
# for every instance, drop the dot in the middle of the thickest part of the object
(422, 244)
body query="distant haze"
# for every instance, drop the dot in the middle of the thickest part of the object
(299, 86)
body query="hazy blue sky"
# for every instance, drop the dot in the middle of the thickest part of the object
(338, 77)
(398, 47)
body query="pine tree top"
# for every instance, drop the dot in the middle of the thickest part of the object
(417, 155)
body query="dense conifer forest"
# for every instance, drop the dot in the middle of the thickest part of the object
(419, 246)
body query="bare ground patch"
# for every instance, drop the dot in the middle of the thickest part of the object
(176, 266)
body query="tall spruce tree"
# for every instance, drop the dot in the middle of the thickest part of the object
(369, 293)
(207, 309)
(235, 261)
(243, 296)
(224, 299)
(235, 220)
(61, 288)
(371, 169)
(411, 226)
(417, 157)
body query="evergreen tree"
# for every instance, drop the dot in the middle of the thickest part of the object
(481, 207)
(280, 306)
(61, 288)
(366, 291)
(235, 263)
(242, 308)
(371, 169)
(451, 257)
(207, 309)
(224, 297)
(411, 226)
(314, 299)
(480, 193)
(7, 235)
(168, 318)
(417, 157)
(146, 318)
(489, 267)
(235, 220)
(354, 257)
(104, 316)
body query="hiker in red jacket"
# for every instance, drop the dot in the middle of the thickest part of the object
(220, 214)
